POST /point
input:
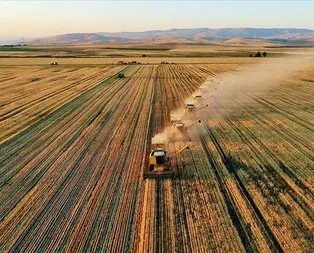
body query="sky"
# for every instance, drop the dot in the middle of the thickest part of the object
(33, 19)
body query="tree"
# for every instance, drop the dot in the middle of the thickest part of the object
(258, 54)
(251, 55)
(264, 54)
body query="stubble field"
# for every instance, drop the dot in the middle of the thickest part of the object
(74, 142)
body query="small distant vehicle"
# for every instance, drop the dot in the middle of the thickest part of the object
(121, 75)
(180, 132)
(198, 97)
(189, 107)
(178, 124)
(54, 63)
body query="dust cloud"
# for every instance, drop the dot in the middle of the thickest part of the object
(161, 137)
(231, 91)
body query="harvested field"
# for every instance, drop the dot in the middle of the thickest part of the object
(113, 60)
(28, 94)
(73, 148)
(246, 185)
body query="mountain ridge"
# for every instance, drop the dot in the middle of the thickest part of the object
(297, 35)
(73, 38)
(213, 32)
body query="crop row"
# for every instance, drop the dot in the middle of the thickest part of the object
(33, 94)
(71, 180)
(74, 144)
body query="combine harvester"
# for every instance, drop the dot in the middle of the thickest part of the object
(191, 108)
(160, 162)
(180, 130)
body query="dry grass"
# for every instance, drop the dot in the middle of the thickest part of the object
(97, 61)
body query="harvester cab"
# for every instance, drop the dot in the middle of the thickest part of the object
(179, 131)
(160, 162)
(189, 107)
(178, 124)
(158, 157)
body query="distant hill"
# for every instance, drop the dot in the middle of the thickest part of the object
(284, 33)
(194, 35)
(77, 38)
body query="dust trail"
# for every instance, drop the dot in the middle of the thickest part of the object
(256, 79)
(221, 93)
(238, 89)
(161, 137)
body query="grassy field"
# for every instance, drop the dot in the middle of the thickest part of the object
(74, 142)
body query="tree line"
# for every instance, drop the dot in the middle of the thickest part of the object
(259, 54)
